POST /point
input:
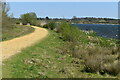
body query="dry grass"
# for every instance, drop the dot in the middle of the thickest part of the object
(10, 30)
(94, 57)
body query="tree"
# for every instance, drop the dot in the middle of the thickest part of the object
(29, 18)
(74, 17)
(5, 8)
(12, 15)
(47, 18)
(6, 20)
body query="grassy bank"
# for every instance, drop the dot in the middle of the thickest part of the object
(99, 55)
(43, 60)
(15, 31)
(10, 30)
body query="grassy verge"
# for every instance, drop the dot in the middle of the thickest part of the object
(15, 31)
(43, 61)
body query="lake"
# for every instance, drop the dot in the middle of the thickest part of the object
(103, 30)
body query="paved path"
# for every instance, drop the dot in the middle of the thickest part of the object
(14, 46)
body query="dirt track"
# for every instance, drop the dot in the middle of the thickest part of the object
(14, 46)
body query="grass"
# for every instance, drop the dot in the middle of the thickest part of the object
(97, 53)
(42, 60)
(15, 31)
(10, 30)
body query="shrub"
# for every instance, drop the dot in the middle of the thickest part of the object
(45, 26)
(118, 56)
(93, 63)
(29, 18)
(97, 59)
(113, 68)
(69, 33)
(51, 25)
(17, 22)
(38, 24)
(94, 57)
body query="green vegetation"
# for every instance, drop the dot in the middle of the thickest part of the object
(43, 61)
(60, 56)
(99, 55)
(30, 18)
(92, 20)
(68, 33)
(66, 53)
(15, 31)
(86, 20)
(9, 28)
(51, 25)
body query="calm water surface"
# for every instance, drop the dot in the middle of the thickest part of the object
(104, 30)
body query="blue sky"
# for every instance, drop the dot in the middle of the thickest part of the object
(66, 9)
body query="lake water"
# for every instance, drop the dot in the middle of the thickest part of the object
(104, 30)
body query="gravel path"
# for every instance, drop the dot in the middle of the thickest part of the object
(14, 46)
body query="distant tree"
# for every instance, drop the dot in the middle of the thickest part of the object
(6, 20)
(74, 17)
(12, 15)
(5, 8)
(47, 18)
(29, 18)
(25, 18)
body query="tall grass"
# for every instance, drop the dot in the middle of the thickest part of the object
(10, 30)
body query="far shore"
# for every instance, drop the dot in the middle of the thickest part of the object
(97, 24)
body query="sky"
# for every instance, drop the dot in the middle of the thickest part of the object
(66, 9)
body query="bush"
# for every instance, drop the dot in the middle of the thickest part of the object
(93, 63)
(118, 56)
(17, 22)
(38, 24)
(50, 25)
(69, 33)
(29, 18)
(97, 59)
(113, 68)
(94, 58)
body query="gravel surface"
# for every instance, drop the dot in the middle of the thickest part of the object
(14, 46)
